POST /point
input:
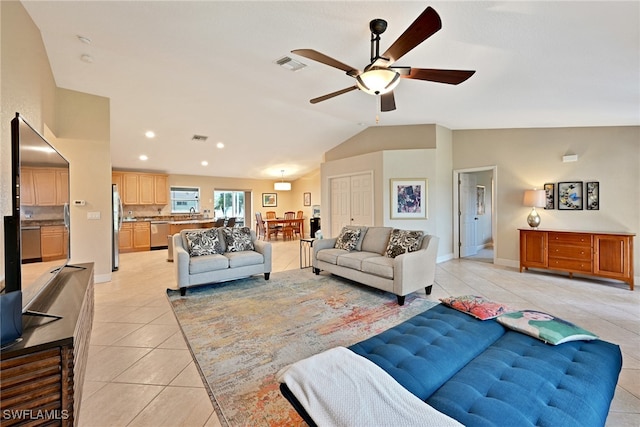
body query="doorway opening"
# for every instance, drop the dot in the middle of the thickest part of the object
(475, 236)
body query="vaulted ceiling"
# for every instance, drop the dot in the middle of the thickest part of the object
(182, 68)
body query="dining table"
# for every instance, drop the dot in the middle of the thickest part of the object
(281, 221)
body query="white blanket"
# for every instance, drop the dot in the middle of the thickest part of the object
(340, 388)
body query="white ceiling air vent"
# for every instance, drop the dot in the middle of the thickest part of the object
(290, 63)
(199, 138)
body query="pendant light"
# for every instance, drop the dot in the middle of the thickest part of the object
(282, 186)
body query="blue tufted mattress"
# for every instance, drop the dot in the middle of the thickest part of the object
(482, 375)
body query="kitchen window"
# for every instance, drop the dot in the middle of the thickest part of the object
(185, 200)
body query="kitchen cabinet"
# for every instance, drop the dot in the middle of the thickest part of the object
(177, 227)
(44, 186)
(62, 187)
(134, 236)
(138, 188)
(600, 254)
(54, 241)
(27, 192)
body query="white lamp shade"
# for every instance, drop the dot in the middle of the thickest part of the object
(535, 198)
(282, 186)
(378, 81)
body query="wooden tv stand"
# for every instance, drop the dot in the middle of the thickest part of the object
(41, 376)
(601, 254)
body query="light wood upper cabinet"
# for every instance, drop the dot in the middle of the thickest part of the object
(62, 186)
(44, 186)
(137, 188)
(44, 181)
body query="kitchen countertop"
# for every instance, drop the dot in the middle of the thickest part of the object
(192, 221)
(40, 222)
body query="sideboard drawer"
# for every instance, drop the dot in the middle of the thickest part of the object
(570, 238)
(570, 265)
(573, 252)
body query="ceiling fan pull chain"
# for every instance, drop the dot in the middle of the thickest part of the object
(377, 109)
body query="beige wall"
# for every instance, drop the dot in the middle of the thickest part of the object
(80, 122)
(528, 158)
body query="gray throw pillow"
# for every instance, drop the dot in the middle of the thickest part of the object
(238, 239)
(348, 239)
(203, 242)
(403, 241)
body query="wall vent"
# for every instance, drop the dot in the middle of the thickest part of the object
(200, 138)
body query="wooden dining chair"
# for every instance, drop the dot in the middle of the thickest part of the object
(231, 222)
(273, 228)
(297, 227)
(219, 222)
(288, 227)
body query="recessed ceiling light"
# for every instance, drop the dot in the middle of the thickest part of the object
(204, 163)
(220, 145)
(150, 134)
(143, 157)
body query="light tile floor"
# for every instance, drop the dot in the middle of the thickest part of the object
(140, 372)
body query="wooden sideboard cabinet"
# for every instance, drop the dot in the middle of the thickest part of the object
(601, 254)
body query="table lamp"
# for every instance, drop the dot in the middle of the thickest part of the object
(535, 199)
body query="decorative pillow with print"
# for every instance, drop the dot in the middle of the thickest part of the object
(238, 239)
(476, 306)
(348, 239)
(403, 241)
(203, 242)
(545, 327)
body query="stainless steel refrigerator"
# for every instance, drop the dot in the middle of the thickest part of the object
(117, 214)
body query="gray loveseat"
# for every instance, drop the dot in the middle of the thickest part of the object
(369, 264)
(230, 264)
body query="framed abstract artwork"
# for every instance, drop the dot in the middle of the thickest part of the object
(570, 196)
(480, 189)
(549, 190)
(269, 200)
(408, 198)
(306, 199)
(593, 196)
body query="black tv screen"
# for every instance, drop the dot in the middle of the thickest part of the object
(40, 214)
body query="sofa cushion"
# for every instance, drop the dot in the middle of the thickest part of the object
(363, 231)
(244, 258)
(380, 266)
(331, 255)
(544, 327)
(203, 242)
(207, 263)
(403, 241)
(238, 239)
(354, 259)
(376, 239)
(477, 306)
(348, 239)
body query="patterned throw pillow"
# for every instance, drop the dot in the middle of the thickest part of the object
(238, 239)
(403, 241)
(476, 306)
(545, 327)
(203, 242)
(348, 239)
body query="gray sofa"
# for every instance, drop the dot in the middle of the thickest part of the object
(368, 263)
(198, 270)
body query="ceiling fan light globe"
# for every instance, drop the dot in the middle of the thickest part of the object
(378, 81)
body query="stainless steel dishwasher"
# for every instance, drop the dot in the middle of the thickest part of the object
(159, 233)
(31, 243)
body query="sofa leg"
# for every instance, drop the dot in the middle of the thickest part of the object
(183, 291)
(428, 289)
(401, 299)
(266, 276)
(316, 271)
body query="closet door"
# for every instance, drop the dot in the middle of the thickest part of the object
(351, 201)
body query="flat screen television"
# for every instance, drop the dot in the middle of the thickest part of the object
(25, 281)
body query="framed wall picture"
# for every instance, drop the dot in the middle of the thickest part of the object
(306, 199)
(550, 195)
(408, 198)
(593, 196)
(269, 200)
(570, 196)
(480, 199)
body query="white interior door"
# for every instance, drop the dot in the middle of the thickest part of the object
(468, 217)
(362, 200)
(340, 204)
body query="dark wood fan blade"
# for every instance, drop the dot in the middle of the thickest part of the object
(422, 28)
(332, 94)
(387, 102)
(452, 77)
(327, 60)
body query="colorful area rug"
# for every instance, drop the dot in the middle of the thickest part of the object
(242, 332)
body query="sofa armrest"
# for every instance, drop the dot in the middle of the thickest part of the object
(264, 248)
(320, 244)
(181, 261)
(415, 270)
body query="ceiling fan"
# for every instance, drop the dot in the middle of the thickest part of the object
(380, 77)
